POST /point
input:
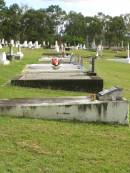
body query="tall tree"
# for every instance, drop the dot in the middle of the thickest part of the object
(115, 30)
(2, 4)
(13, 22)
(76, 28)
(36, 25)
(58, 16)
(2, 15)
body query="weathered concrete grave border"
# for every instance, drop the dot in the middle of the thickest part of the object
(68, 108)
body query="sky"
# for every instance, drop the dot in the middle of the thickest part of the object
(86, 7)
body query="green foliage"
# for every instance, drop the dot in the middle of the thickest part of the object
(29, 145)
(23, 23)
(2, 4)
(115, 30)
(36, 25)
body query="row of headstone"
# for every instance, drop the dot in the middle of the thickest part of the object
(3, 42)
(31, 45)
(80, 46)
(98, 48)
(25, 44)
(19, 55)
(64, 46)
(5, 58)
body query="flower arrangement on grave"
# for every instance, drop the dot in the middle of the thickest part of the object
(55, 61)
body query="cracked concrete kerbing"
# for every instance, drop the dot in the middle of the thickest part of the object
(75, 108)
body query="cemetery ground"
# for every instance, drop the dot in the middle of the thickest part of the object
(39, 146)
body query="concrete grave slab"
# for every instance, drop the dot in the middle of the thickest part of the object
(66, 77)
(70, 59)
(68, 108)
(33, 68)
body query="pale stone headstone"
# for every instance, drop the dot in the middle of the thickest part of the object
(99, 50)
(77, 47)
(16, 44)
(91, 67)
(97, 54)
(30, 44)
(10, 49)
(6, 43)
(3, 59)
(81, 46)
(19, 53)
(84, 47)
(65, 44)
(63, 50)
(36, 45)
(114, 93)
(0, 46)
(57, 47)
(3, 42)
(12, 42)
(25, 44)
(44, 43)
(94, 45)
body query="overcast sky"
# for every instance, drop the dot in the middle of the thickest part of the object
(86, 7)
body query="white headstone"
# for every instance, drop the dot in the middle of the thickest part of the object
(57, 47)
(16, 44)
(84, 47)
(30, 44)
(6, 43)
(44, 43)
(25, 44)
(77, 47)
(3, 42)
(3, 59)
(99, 50)
(65, 44)
(81, 46)
(19, 53)
(12, 42)
(0, 46)
(93, 45)
(36, 45)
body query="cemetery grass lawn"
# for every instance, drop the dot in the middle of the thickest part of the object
(113, 74)
(39, 146)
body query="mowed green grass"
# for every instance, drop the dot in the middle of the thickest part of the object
(39, 146)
